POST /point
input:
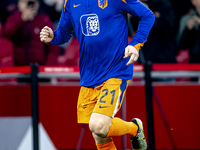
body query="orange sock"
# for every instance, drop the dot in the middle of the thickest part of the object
(109, 145)
(119, 127)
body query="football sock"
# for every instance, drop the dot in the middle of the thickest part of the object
(109, 145)
(119, 127)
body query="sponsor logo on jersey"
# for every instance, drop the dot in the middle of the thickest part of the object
(76, 5)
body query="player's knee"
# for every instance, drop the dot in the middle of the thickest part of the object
(99, 128)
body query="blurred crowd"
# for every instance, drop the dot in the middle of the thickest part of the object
(20, 24)
(174, 38)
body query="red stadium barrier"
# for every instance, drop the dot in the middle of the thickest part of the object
(137, 68)
(53, 69)
(44, 69)
(176, 67)
(21, 70)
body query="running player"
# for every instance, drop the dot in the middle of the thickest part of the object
(105, 62)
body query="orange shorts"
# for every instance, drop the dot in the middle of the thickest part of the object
(104, 99)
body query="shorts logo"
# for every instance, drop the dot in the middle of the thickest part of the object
(102, 3)
(90, 24)
(103, 106)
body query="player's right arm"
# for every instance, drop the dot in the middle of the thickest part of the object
(64, 31)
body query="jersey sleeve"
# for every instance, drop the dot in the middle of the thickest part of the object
(64, 30)
(146, 19)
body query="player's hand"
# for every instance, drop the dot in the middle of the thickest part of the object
(46, 34)
(133, 52)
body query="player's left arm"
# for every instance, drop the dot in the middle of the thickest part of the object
(147, 19)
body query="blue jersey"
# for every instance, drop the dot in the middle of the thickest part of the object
(102, 31)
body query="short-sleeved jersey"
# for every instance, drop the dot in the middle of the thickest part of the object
(102, 31)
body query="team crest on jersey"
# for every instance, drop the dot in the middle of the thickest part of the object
(102, 3)
(90, 24)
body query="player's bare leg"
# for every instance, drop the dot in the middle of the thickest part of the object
(99, 125)
(100, 140)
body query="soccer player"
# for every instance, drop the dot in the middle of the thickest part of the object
(105, 62)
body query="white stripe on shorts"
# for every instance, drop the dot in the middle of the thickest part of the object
(117, 104)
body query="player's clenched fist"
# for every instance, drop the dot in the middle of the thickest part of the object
(133, 52)
(46, 34)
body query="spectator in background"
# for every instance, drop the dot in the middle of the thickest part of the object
(53, 8)
(181, 7)
(6, 55)
(160, 46)
(6, 51)
(23, 28)
(189, 32)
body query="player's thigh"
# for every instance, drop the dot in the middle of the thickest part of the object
(111, 97)
(86, 102)
(99, 124)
